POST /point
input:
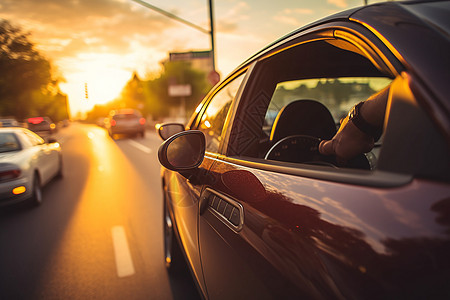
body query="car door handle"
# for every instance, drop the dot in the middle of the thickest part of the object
(228, 210)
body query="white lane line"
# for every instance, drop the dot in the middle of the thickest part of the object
(124, 263)
(140, 146)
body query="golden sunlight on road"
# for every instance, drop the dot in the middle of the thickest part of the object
(86, 249)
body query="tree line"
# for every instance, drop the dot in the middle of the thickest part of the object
(151, 96)
(28, 85)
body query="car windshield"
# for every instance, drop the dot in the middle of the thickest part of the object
(125, 117)
(8, 142)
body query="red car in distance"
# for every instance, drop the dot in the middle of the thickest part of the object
(126, 121)
(41, 125)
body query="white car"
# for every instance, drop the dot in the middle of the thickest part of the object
(27, 163)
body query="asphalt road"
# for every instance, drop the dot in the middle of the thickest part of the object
(98, 233)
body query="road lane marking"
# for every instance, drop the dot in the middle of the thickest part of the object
(124, 263)
(140, 146)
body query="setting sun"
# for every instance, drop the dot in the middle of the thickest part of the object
(102, 75)
(102, 43)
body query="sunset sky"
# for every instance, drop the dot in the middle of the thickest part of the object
(102, 42)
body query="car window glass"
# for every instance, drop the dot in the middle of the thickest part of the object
(213, 118)
(125, 117)
(304, 91)
(8, 142)
(339, 95)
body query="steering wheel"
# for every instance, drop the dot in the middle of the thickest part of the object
(305, 149)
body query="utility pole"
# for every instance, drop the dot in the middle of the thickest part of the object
(172, 16)
(211, 31)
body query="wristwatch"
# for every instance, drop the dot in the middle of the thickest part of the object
(357, 119)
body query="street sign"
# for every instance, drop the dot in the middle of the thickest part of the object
(187, 56)
(180, 90)
(214, 77)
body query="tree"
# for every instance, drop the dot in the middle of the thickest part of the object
(158, 100)
(99, 113)
(132, 95)
(152, 98)
(27, 86)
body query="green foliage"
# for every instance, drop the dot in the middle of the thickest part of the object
(26, 84)
(151, 97)
(100, 112)
(182, 73)
(132, 95)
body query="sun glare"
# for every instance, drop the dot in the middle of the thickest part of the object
(100, 77)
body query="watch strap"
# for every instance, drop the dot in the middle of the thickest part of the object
(358, 120)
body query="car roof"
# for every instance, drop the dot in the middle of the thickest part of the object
(125, 111)
(416, 32)
(11, 129)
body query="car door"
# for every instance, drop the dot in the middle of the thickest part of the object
(185, 194)
(53, 157)
(280, 229)
(45, 159)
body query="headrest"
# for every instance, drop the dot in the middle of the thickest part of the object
(305, 117)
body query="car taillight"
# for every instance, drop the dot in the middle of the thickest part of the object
(113, 122)
(7, 175)
(36, 120)
(142, 121)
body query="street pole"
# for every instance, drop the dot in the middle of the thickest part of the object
(211, 22)
(172, 16)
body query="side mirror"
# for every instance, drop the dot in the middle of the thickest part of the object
(166, 130)
(183, 151)
(51, 140)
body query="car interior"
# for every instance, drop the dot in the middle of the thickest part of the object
(300, 96)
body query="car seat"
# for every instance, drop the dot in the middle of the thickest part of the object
(303, 117)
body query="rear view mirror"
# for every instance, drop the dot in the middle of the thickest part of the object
(183, 151)
(166, 130)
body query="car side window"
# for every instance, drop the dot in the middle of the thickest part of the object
(298, 97)
(213, 119)
(301, 99)
(8, 142)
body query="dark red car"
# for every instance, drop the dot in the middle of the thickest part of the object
(41, 125)
(258, 213)
(126, 121)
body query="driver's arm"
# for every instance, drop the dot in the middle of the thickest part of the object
(352, 140)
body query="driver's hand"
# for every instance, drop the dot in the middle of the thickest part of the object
(348, 143)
